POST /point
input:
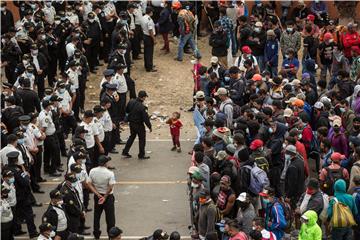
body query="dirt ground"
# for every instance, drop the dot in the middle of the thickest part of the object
(169, 89)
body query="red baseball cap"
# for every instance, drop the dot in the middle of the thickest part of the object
(328, 36)
(256, 144)
(336, 156)
(256, 77)
(246, 49)
(310, 17)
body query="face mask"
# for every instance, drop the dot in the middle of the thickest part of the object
(287, 157)
(52, 234)
(33, 6)
(11, 180)
(122, 51)
(57, 22)
(342, 110)
(124, 22)
(21, 141)
(3, 9)
(194, 185)
(162, 5)
(289, 29)
(61, 90)
(78, 176)
(287, 56)
(271, 130)
(259, 4)
(34, 52)
(29, 75)
(227, 79)
(73, 184)
(257, 30)
(59, 203)
(284, 145)
(25, 62)
(43, 37)
(91, 20)
(194, 61)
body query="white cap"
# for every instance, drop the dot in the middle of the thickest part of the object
(242, 197)
(258, 24)
(318, 105)
(288, 112)
(214, 59)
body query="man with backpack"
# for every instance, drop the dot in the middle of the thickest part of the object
(341, 212)
(275, 220)
(295, 175)
(259, 154)
(226, 106)
(356, 196)
(333, 172)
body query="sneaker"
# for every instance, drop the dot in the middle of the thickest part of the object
(173, 148)
(126, 155)
(178, 150)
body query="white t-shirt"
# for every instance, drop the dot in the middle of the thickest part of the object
(10, 148)
(101, 177)
(89, 136)
(70, 49)
(242, 60)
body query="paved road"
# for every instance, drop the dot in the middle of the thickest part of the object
(149, 194)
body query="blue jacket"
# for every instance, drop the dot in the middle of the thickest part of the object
(271, 52)
(356, 196)
(342, 196)
(165, 22)
(275, 214)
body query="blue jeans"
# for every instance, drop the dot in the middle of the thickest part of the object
(182, 42)
(341, 234)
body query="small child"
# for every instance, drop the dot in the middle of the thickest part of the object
(175, 125)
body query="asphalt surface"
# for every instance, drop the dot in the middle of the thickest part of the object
(149, 194)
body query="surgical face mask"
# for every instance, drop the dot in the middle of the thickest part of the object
(33, 6)
(194, 185)
(254, 228)
(21, 141)
(43, 37)
(3, 9)
(59, 203)
(257, 29)
(342, 110)
(287, 157)
(271, 130)
(57, 22)
(61, 90)
(29, 74)
(34, 52)
(25, 62)
(11, 180)
(287, 56)
(91, 20)
(122, 51)
(266, 201)
(123, 21)
(227, 79)
(52, 234)
(289, 29)
(194, 61)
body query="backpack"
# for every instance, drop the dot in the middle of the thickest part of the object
(323, 214)
(314, 143)
(332, 175)
(236, 110)
(258, 179)
(262, 163)
(288, 213)
(342, 215)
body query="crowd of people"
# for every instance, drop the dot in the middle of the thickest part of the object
(277, 153)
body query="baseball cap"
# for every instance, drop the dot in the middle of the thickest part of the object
(256, 77)
(318, 105)
(24, 118)
(310, 17)
(71, 177)
(55, 194)
(45, 227)
(328, 36)
(199, 95)
(214, 59)
(266, 192)
(243, 197)
(291, 149)
(288, 112)
(88, 113)
(221, 155)
(142, 94)
(76, 168)
(108, 72)
(298, 103)
(337, 157)
(256, 144)
(193, 169)
(197, 176)
(337, 122)
(258, 24)
(246, 49)
(221, 91)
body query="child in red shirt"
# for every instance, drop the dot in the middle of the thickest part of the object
(175, 125)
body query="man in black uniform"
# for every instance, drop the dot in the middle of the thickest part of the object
(72, 203)
(30, 98)
(118, 56)
(56, 215)
(137, 116)
(52, 44)
(41, 64)
(7, 19)
(10, 57)
(10, 115)
(23, 191)
(92, 43)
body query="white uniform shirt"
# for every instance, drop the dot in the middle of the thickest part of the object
(100, 128)
(5, 211)
(83, 177)
(45, 121)
(101, 177)
(66, 100)
(107, 122)
(120, 82)
(37, 133)
(12, 194)
(24, 75)
(10, 148)
(73, 18)
(89, 136)
(138, 15)
(73, 78)
(70, 49)
(42, 237)
(147, 25)
(132, 21)
(49, 13)
(30, 140)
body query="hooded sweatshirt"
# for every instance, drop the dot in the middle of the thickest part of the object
(310, 230)
(343, 197)
(275, 144)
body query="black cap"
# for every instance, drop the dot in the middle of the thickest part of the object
(75, 168)
(159, 234)
(18, 132)
(88, 113)
(46, 103)
(103, 159)
(142, 94)
(61, 84)
(98, 109)
(108, 72)
(122, 46)
(111, 86)
(91, 15)
(24, 118)
(72, 63)
(33, 115)
(48, 90)
(45, 227)
(120, 66)
(4, 190)
(12, 155)
(313, 183)
(115, 232)
(7, 85)
(71, 177)
(29, 68)
(79, 155)
(55, 194)
(7, 173)
(80, 129)
(33, 46)
(55, 98)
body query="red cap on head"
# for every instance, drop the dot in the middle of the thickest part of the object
(256, 144)
(337, 157)
(246, 49)
(310, 17)
(328, 36)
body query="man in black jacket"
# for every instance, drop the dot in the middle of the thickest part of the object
(218, 42)
(315, 202)
(7, 19)
(30, 98)
(137, 116)
(295, 175)
(41, 64)
(92, 43)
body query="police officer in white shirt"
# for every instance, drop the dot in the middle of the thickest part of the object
(99, 111)
(148, 28)
(46, 231)
(71, 46)
(49, 12)
(101, 183)
(28, 73)
(121, 88)
(73, 18)
(9, 182)
(66, 113)
(51, 143)
(73, 77)
(6, 214)
(12, 140)
(108, 127)
(107, 79)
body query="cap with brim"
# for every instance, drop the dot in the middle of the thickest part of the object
(61, 85)
(142, 94)
(103, 159)
(108, 72)
(267, 192)
(221, 155)
(214, 59)
(159, 234)
(242, 197)
(75, 168)
(7, 85)
(46, 103)
(231, 148)
(8, 173)
(79, 155)
(80, 129)
(318, 105)
(88, 113)
(193, 169)
(111, 86)
(24, 118)
(337, 122)
(199, 95)
(71, 177)
(197, 176)
(55, 194)
(12, 155)
(55, 98)
(98, 109)
(290, 149)
(221, 91)
(120, 66)
(44, 227)
(288, 112)
(337, 157)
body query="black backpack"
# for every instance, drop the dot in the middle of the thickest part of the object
(331, 177)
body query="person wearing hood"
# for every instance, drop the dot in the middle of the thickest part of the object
(346, 199)
(355, 100)
(207, 214)
(310, 230)
(340, 62)
(277, 131)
